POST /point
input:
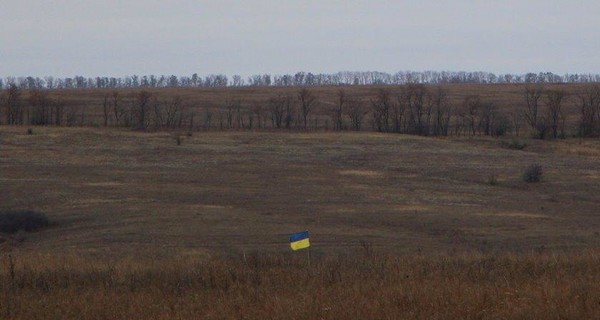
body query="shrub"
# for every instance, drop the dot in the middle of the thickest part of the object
(533, 173)
(13, 221)
(514, 144)
(493, 180)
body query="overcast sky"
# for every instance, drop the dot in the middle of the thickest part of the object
(120, 37)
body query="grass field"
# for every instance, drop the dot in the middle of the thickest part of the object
(121, 190)
(401, 226)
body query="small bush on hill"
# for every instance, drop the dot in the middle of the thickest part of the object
(533, 173)
(13, 221)
(514, 144)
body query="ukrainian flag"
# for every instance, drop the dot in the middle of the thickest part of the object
(299, 240)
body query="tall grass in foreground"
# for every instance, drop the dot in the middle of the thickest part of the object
(361, 286)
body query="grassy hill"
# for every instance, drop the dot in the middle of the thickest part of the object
(118, 190)
(401, 226)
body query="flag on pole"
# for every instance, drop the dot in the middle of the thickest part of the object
(299, 240)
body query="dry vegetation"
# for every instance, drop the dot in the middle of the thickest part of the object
(165, 225)
(360, 285)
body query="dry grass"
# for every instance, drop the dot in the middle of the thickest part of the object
(401, 226)
(125, 191)
(353, 286)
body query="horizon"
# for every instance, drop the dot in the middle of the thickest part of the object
(247, 76)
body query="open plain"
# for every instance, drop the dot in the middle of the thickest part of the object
(401, 226)
(245, 191)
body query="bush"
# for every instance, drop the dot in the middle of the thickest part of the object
(515, 144)
(533, 173)
(493, 180)
(13, 221)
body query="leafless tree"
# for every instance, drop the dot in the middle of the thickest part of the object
(556, 116)
(356, 111)
(277, 110)
(258, 113)
(59, 105)
(488, 118)
(472, 106)
(381, 110)
(174, 112)
(142, 109)
(533, 94)
(105, 109)
(13, 105)
(230, 108)
(41, 108)
(397, 111)
(516, 118)
(116, 106)
(338, 112)
(442, 111)
(415, 96)
(589, 106)
(307, 101)
(208, 119)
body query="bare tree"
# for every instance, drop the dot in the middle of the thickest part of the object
(105, 109)
(258, 113)
(472, 106)
(141, 109)
(116, 106)
(208, 119)
(533, 95)
(556, 117)
(40, 104)
(488, 118)
(442, 111)
(289, 111)
(13, 105)
(307, 100)
(338, 111)
(381, 110)
(356, 111)
(277, 109)
(516, 121)
(419, 110)
(589, 106)
(397, 113)
(174, 112)
(230, 108)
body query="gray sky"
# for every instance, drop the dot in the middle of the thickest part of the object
(117, 38)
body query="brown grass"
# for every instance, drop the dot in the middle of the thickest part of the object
(401, 226)
(126, 191)
(352, 286)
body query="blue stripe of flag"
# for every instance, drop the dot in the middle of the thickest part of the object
(299, 236)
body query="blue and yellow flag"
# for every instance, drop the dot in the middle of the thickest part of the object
(299, 240)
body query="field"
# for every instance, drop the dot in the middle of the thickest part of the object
(114, 189)
(401, 226)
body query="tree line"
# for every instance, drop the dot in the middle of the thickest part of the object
(412, 109)
(346, 78)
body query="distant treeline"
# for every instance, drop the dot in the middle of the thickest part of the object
(297, 79)
(413, 109)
